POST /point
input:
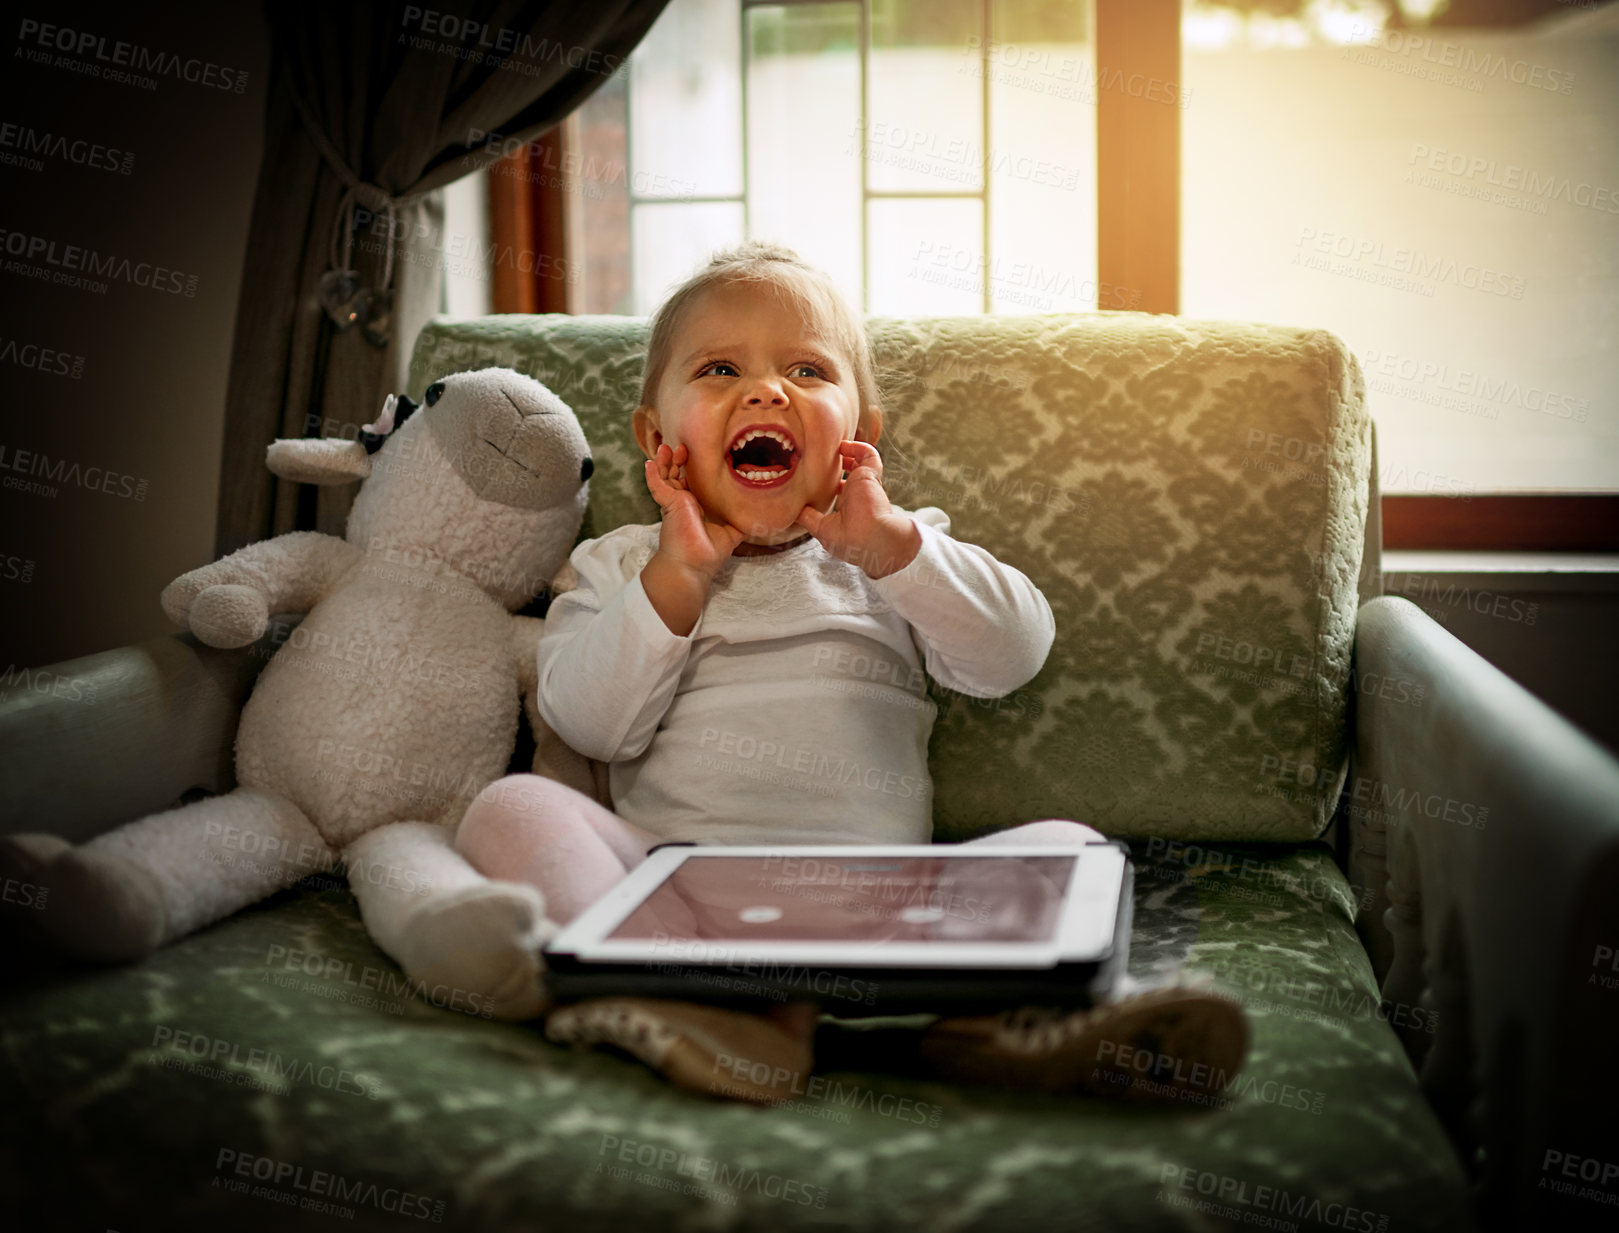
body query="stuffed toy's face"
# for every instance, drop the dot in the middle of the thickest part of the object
(511, 440)
(489, 474)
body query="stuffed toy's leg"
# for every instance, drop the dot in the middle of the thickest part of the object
(466, 942)
(126, 893)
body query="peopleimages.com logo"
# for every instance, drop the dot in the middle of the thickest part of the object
(320, 1190)
(87, 52)
(76, 265)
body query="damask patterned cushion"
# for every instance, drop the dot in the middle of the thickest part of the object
(1190, 495)
(274, 1071)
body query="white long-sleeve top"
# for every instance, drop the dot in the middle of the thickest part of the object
(795, 711)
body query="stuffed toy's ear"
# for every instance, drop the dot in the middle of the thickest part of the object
(396, 409)
(329, 461)
(315, 460)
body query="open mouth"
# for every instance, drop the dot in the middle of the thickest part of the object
(762, 455)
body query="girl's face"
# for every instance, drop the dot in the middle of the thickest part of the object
(761, 408)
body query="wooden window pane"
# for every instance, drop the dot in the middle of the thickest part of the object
(803, 135)
(1042, 184)
(672, 240)
(925, 127)
(925, 256)
(686, 103)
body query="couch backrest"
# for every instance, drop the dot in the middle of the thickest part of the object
(1191, 496)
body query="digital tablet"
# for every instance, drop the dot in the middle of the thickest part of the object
(860, 929)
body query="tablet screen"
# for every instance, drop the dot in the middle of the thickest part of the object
(854, 899)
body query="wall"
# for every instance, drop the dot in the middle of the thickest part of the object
(112, 425)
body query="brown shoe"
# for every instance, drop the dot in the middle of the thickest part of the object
(1176, 1045)
(709, 1049)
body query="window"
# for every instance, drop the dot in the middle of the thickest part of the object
(1444, 197)
(933, 156)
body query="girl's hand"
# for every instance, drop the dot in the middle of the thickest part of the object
(863, 528)
(688, 535)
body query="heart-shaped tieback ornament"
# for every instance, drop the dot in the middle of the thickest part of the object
(345, 301)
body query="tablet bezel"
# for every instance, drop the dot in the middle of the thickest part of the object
(1085, 932)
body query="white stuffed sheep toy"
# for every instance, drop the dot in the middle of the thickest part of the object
(388, 709)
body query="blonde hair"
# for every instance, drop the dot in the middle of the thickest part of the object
(809, 290)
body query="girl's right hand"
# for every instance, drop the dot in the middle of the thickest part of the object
(688, 535)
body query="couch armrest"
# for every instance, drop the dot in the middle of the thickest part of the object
(1498, 821)
(91, 743)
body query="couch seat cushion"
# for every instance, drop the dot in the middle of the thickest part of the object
(273, 1064)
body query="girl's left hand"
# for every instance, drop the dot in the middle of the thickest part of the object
(863, 527)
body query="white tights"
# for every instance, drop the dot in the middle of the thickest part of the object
(526, 828)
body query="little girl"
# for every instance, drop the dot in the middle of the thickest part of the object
(719, 630)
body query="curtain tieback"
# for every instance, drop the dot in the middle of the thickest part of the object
(340, 293)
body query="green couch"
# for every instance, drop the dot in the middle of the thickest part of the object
(1198, 501)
